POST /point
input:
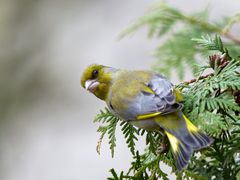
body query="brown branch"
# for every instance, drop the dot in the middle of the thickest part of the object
(232, 37)
(196, 79)
(213, 28)
(155, 177)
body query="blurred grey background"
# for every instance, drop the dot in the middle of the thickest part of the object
(46, 128)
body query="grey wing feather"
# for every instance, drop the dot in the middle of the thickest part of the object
(163, 100)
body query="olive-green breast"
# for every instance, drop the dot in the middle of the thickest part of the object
(126, 86)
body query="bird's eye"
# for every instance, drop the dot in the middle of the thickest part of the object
(95, 73)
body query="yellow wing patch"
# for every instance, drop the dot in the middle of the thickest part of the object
(190, 125)
(179, 97)
(173, 141)
(147, 116)
(147, 89)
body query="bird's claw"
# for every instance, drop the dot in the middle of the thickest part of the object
(163, 146)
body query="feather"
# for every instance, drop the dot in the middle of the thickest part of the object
(184, 137)
(149, 101)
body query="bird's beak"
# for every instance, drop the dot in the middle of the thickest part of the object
(91, 85)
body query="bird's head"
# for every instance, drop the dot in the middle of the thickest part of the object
(97, 79)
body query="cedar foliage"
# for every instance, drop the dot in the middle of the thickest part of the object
(211, 101)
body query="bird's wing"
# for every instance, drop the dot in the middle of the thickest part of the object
(157, 97)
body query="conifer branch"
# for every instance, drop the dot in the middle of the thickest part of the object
(197, 79)
(212, 28)
(175, 28)
(210, 104)
(211, 101)
(231, 37)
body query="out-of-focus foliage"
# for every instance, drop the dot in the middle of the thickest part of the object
(177, 28)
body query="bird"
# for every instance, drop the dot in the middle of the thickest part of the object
(149, 101)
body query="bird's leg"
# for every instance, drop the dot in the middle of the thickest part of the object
(164, 145)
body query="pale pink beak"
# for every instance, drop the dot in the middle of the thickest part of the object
(91, 85)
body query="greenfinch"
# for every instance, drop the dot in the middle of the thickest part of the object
(149, 101)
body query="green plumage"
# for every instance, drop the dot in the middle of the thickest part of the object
(148, 101)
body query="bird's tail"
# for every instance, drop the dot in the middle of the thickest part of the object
(184, 143)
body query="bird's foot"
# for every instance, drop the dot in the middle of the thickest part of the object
(164, 147)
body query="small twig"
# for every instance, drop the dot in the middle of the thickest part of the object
(98, 147)
(213, 28)
(155, 177)
(231, 22)
(99, 143)
(232, 37)
(196, 79)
